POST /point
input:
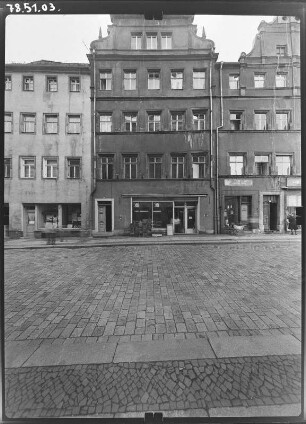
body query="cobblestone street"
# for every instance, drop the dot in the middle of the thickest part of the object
(118, 295)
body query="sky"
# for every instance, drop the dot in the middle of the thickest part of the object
(67, 38)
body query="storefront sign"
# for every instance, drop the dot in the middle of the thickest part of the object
(294, 200)
(238, 182)
(294, 182)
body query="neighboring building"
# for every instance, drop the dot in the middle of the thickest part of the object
(151, 104)
(259, 165)
(47, 146)
(175, 145)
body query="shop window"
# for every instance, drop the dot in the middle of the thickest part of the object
(238, 210)
(105, 80)
(74, 168)
(50, 124)
(8, 122)
(151, 39)
(236, 121)
(7, 167)
(199, 120)
(281, 80)
(50, 168)
(259, 80)
(260, 121)
(50, 215)
(105, 167)
(153, 121)
(105, 122)
(28, 123)
(177, 80)
(262, 165)
(28, 83)
(155, 166)
(141, 211)
(234, 81)
(51, 84)
(199, 165)
(237, 166)
(282, 121)
(73, 124)
(8, 82)
(166, 41)
(177, 121)
(129, 80)
(74, 84)
(283, 164)
(27, 167)
(198, 79)
(178, 165)
(136, 41)
(130, 167)
(130, 122)
(153, 80)
(71, 215)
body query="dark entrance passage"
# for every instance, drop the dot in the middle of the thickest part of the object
(270, 213)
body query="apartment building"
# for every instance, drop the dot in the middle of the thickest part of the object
(47, 147)
(183, 140)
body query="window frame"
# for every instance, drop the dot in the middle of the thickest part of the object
(153, 80)
(130, 165)
(108, 79)
(49, 80)
(23, 115)
(8, 78)
(236, 124)
(7, 167)
(268, 162)
(164, 37)
(129, 80)
(138, 37)
(68, 167)
(234, 84)
(45, 166)
(258, 113)
(109, 128)
(259, 83)
(151, 36)
(68, 123)
(22, 167)
(174, 80)
(45, 123)
(284, 113)
(197, 122)
(281, 48)
(290, 156)
(77, 84)
(30, 84)
(155, 163)
(243, 167)
(11, 121)
(131, 122)
(284, 79)
(176, 164)
(179, 123)
(202, 165)
(156, 124)
(198, 83)
(108, 165)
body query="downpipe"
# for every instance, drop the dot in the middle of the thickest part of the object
(217, 197)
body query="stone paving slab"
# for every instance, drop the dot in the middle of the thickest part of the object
(18, 352)
(237, 346)
(292, 410)
(156, 350)
(77, 353)
(168, 386)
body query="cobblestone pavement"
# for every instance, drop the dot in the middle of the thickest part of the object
(157, 386)
(123, 294)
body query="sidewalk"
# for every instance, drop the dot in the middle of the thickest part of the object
(77, 242)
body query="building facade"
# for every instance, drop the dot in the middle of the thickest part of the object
(183, 140)
(47, 147)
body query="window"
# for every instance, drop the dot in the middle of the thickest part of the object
(74, 168)
(8, 82)
(105, 167)
(199, 120)
(155, 165)
(8, 122)
(235, 121)
(283, 164)
(166, 41)
(176, 80)
(199, 165)
(7, 167)
(260, 120)
(151, 41)
(262, 165)
(154, 121)
(27, 167)
(259, 80)
(129, 80)
(74, 84)
(130, 167)
(236, 164)
(234, 81)
(28, 123)
(177, 121)
(198, 80)
(50, 168)
(52, 84)
(281, 80)
(282, 121)
(178, 166)
(28, 83)
(281, 50)
(130, 122)
(136, 41)
(105, 80)
(106, 122)
(153, 80)
(50, 124)
(73, 124)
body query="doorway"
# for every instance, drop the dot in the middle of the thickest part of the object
(270, 213)
(29, 217)
(104, 217)
(185, 217)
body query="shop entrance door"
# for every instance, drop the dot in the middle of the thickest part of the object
(104, 217)
(270, 214)
(190, 219)
(185, 219)
(29, 221)
(179, 220)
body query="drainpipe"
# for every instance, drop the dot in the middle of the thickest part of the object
(94, 137)
(211, 143)
(218, 206)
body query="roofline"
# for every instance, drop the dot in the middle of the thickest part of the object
(83, 68)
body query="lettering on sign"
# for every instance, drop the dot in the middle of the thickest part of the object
(294, 182)
(238, 182)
